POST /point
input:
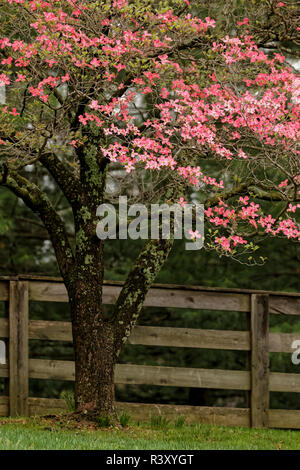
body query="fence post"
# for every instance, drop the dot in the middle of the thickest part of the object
(259, 360)
(18, 348)
(6, 341)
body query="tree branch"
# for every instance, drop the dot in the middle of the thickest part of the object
(66, 179)
(38, 202)
(143, 273)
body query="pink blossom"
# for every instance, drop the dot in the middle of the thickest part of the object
(164, 93)
(242, 154)
(244, 200)
(20, 77)
(4, 79)
(194, 234)
(94, 105)
(283, 184)
(245, 21)
(181, 201)
(224, 242)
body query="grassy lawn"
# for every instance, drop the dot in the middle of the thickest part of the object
(43, 434)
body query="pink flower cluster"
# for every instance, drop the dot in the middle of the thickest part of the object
(190, 120)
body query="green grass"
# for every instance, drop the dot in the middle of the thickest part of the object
(36, 433)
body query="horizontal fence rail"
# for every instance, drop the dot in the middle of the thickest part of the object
(17, 329)
(165, 376)
(164, 336)
(203, 298)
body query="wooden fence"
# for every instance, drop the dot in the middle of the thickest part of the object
(17, 329)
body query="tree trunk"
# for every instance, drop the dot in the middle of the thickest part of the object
(95, 358)
(97, 340)
(93, 336)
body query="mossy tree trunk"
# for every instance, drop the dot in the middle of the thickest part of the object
(97, 340)
(93, 341)
(93, 337)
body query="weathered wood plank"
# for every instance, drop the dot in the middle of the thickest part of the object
(6, 316)
(181, 297)
(157, 297)
(4, 408)
(149, 375)
(152, 336)
(42, 406)
(13, 347)
(49, 369)
(282, 342)
(190, 338)
(3, 328)
(43, 291)
(3, 371)
(4, 290)
(4, 333)
(182, 377)
(30, 277)
(248, 360)
(197, 300)
(285, 305)
(164, 336)
(143, 411)
(285, 419)
(3, 354)
(23, 348)
(259, 360)
(50, 330)
(18, 348)
(193, 414)
(128, 373)
(282, 382)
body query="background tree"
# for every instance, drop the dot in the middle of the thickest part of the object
(75, 73)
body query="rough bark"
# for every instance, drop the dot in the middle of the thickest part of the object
(93, 341)
(97, 340)
(93, 336)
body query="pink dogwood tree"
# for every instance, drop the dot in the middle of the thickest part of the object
(147, 88)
